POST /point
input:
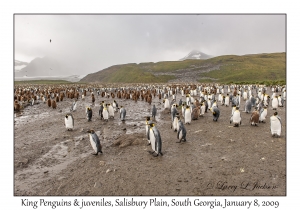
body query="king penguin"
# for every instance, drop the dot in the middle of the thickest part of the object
(105, 113)
(174, 124)
(154, 111)
(89, 113)
(187, 115)
(111, 111)
(216, 113)
(236, 117)
(155, 139)
(181, 132)
(69, 122)
(122, 113)
(147, 126)
(248, 106)
(73, 106)
(95, 142)
(275, 122)
(263, 114)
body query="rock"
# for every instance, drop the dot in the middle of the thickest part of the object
(81, 130)
(124, 129)
(108, 170)
(82, 138)
(60, 111)
(101, 163)
(97, 184)
(46, 172)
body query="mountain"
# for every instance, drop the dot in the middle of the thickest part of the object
(222, 69)
(19, 65)
(195, 54)
(45, 66)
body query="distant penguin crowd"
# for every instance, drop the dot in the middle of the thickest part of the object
(195, 102)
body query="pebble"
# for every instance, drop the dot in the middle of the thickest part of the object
(101, 163)
(108, 170)
(46, 172)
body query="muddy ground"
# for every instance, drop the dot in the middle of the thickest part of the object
(217, 159)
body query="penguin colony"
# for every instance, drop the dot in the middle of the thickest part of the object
(196, 101)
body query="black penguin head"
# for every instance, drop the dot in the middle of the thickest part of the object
(67, 116)
(91, 131)
(151, 124)
(148, 118)
(275, 113)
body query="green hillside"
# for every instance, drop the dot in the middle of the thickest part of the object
(221, 69)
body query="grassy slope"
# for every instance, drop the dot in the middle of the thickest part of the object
(257, 67)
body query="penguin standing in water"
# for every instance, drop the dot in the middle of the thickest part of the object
(275, 122)
(254, 119)
(89, 113)
(154, 111)
(122, 113)
(69, 122)
(95, 142)
(216, 113)
(236, 117)
(155, 139)
(181, 132)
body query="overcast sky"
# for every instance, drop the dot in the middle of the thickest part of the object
(94, 42)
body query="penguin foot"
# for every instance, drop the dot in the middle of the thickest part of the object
(148, 144)
(95, 153)
(151, 152)
(184, 140)
(155, 155)
(160, 154)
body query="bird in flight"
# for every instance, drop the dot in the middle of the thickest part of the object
(50, 40)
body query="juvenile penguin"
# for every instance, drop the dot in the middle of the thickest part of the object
(122, 113)
(236, 118)
(187, 115)
(155, 139)
(216, 113)
(181, 133)
(69, 122)
(89, 113)
(254, 119)
(275, 122)
(95, 142)
(53, 104)
(154, 111)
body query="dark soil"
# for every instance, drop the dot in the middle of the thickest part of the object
(216, 159)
